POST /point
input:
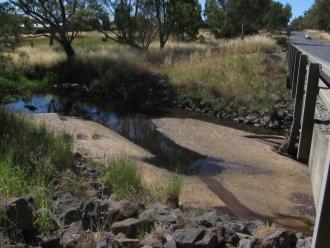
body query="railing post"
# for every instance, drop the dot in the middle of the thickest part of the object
(308, 108)
(301, 78)
(289, 58)
(295, 74)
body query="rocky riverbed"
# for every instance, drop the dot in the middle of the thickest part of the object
(95, 219)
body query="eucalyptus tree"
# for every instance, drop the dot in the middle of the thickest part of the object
(61, 19)
(132, 22)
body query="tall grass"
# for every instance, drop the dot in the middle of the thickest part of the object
(124, 178)
(220, 69)
(30, 157)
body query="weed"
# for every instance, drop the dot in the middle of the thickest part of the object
(169, 190)
(30, 156)
(125, 179)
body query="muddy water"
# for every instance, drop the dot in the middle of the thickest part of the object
(138, 127)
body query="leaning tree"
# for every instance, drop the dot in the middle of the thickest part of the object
(61, 19)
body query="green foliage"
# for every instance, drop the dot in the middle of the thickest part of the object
(282, 41)
(231, 18)
(125, 179)
(317, 17)
(187, 19)
(174, 185)
(278, 16)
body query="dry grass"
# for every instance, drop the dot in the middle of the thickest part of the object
(41, 56)
(251, 44)
(318, 34)
(223, 68)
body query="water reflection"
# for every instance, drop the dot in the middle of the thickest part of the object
(135, 126)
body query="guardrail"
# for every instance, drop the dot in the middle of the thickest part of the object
(309, 138)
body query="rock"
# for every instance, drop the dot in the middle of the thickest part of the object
(126, 209)
(159, 213)
(304, 242)
(49, 240)
(235, 225)
(69, 209)
(271, 237)
(208, 219)
(130, 243)
(245, 243)
(71, 235)
(170, 242)
(152, 242)
(195, 238)
(91, 216)
(104, 192)
(19, 211)
(132, 227)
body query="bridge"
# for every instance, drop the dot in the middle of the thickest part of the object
(309, 138)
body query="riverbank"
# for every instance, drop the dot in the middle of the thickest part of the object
(246, 166)
(239, 80)
(218, 179)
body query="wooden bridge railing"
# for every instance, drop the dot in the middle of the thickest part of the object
(309, 139)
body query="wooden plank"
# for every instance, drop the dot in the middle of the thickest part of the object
(308, 108)
(295, 127)
(295, 74)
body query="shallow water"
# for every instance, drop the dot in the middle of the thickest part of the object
(138, 127)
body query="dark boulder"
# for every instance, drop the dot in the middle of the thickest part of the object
(68, 209)
(132, 227)
(195, 238)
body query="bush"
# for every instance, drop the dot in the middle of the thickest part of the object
(125, 179)
(282, 41)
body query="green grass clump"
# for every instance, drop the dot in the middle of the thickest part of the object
(124, 177)
(174, 185)
(168, 190)
(30, 157)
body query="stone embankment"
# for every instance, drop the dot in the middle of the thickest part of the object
(94, 219)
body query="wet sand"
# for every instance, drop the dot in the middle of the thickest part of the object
(240, 175)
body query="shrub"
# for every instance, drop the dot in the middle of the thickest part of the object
(125, 179)
(282, 41)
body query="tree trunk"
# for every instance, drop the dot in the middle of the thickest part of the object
(51, 41)
(242, 37)
(68, 49)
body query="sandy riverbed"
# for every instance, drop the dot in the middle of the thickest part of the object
(253, 178)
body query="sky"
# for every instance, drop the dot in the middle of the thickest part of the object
(298, 6)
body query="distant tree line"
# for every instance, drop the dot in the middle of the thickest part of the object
(229, 18)
(139, 22)
(317, 17)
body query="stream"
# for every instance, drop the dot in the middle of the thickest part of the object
(138, 127)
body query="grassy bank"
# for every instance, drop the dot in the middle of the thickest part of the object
(218, 73)
(30, 158)
(319, 35)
